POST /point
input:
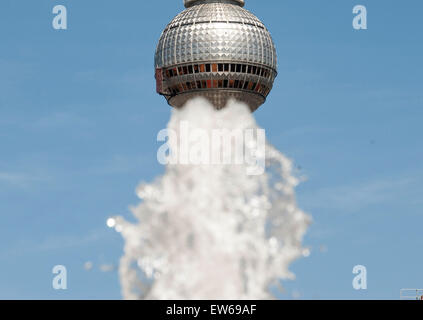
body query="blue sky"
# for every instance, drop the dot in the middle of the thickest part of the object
(79, 117)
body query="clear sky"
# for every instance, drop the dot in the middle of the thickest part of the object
(79, 117)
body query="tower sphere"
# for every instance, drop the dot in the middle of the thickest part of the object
(218, 50)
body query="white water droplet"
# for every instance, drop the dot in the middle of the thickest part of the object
(111, 222)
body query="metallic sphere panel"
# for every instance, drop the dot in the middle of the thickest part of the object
(218, 31)
(215, 32)
(189, 3)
